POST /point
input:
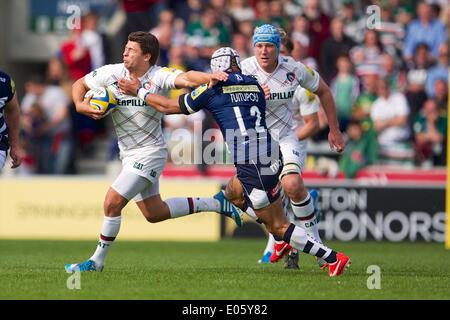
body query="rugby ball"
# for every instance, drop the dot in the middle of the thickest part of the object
(102, 99)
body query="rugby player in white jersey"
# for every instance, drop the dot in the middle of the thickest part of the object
(283, 75)
(143, 150)
(306, 123)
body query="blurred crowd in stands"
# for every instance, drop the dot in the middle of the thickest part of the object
(389, 76)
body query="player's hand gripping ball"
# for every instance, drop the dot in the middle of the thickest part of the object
(102, 99)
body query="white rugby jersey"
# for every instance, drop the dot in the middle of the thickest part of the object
(136, 124)
(304, 103)
(283, 81)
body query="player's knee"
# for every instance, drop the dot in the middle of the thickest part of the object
(278, 229)
(113, 207)
(293, 186)
(153, 218)
(233, 194)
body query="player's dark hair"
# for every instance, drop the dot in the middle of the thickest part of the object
(148, 43)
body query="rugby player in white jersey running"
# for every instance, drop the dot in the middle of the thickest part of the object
(143, 150)
(283, 75)
(305, 106)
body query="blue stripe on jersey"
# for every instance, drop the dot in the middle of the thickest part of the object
(2, 124)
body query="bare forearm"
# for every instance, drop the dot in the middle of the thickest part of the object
(163, 104)
(192, 79)
(330, 110)
(79, 90)
(327, 101)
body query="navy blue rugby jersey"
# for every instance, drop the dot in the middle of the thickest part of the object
(7, 90)
(239, 107)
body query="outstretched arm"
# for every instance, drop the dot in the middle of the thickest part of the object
(192, 79)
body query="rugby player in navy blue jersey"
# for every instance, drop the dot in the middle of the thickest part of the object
(238, 106)
(9, 122)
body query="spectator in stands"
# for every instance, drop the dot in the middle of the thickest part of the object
(300, 31)
(363, 104)
(189, 11)
(240, 10)
(278, 16)
(424, 29)
(263, 14)
(76, 57)
(204, 37)
(393, 74)
(416, 78)
(391, 32)
(354, 25)
(440, 94)
(241, 44)
(32, 121)
(367, 55)
(390, 117)
(446, 18)
(360, 150)
(92, 40)
(319, 26)
(438, 71)
(430, 129)
(403, 11)
(57, 75)
(164, 32)
(223, 17)
(246, 27)
(55, 132)
(140, 14)
(292, 8)
(334, 46)
(300, 53)
(345, 88)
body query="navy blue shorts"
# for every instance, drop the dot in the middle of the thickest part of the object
(260, 182)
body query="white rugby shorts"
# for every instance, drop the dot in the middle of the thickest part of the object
(147, 162)
(293, 150)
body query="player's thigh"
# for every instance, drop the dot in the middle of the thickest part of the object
(129, 184)
(124, 188)
(146, 162)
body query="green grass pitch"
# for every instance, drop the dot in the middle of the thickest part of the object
(219, 270)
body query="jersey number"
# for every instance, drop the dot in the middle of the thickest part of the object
(254, 112)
